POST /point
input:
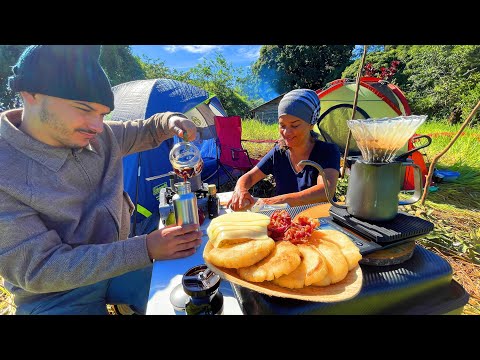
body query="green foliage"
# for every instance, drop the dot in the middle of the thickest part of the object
(155, 69)
(120, 64)
(379, 59)
(463, 243)
(438, 80)
(214, 75)
(220, 78)
(9, 55)
(287, 67)
(443, 78)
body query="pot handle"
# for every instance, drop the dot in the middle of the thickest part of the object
(302, 163)
(417, 178)
(404, 156)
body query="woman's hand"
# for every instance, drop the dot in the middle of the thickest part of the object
(269, 201)
(173, 241)
(241, 200)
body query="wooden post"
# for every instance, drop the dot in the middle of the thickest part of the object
(435, 159)
(355, 99)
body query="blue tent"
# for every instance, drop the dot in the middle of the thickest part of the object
(143, 98)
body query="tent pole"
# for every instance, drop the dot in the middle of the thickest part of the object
(438, 156)
(355, 99)
(139, 167)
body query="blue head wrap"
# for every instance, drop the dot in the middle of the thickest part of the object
(302, 103)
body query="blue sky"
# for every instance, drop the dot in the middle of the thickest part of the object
(183, 57)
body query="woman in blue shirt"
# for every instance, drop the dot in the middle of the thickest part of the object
(297, 114)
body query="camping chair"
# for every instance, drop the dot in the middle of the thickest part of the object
(230, 151)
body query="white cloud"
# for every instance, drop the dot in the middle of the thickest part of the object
(198, 49)
(249, 52)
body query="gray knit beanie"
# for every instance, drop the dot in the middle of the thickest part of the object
(302, 103)
(66, 71)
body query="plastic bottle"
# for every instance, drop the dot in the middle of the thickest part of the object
(213, 204)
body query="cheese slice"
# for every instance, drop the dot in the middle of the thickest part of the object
(214, 231)
(237, 224)
(234, 228)
(242, 216)
(237, 236)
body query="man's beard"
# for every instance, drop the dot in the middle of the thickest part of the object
(51, 120)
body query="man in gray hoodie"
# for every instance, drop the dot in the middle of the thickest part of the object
(64, 217)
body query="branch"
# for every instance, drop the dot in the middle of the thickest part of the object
(359, 75)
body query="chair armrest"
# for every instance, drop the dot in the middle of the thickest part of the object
(233, 151)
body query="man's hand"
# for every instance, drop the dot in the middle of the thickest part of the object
(183, 127)
(173, 241)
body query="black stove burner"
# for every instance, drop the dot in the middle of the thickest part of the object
(403, 226)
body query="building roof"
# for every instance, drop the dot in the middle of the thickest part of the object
(267, 102)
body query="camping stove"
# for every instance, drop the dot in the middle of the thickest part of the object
(380, 243)
(403, 227)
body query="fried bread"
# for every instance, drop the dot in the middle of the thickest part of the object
(285, 258)
(347, 247)
(313, 268)
(239, 254)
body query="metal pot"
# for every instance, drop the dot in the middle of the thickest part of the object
(373, 188)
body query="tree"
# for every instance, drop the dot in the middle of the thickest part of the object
(220, 78)
(287, 67)
(9, 55)
(381, 59)
(443, 80)
(156, 69)
(120, 64)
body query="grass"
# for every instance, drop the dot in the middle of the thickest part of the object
(455, 207)
(253, 129)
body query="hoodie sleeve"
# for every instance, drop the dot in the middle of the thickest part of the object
(140, 135)
(35, 259)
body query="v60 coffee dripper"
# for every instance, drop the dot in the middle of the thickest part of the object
(376, 177)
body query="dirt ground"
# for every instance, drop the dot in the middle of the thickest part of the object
(466, 274)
